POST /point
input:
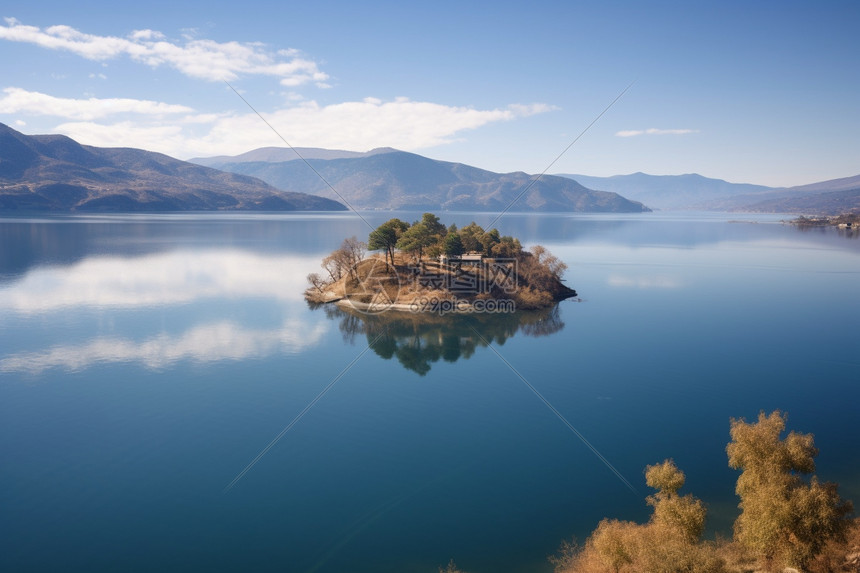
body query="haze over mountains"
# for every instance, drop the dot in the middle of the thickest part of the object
(276, 154)
(390, 179)
(695, 192)
(55, 173)
(688, 191)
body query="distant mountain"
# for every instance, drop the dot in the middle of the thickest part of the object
(694, 191)
(55, 173)
(843, 184)
(387, 179)
(831, 197)
(277, 154)
(671, 192)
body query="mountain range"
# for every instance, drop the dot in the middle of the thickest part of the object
(388, 179)
(55, 173)
(695, 192)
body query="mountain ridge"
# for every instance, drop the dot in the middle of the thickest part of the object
(685, 191)
(692, 191)
(56, 173)
(278, 154)
(398, 180)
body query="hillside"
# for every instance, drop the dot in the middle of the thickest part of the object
(389, 179)
(55, 173)
(831, 197)
(829, 203)
(670, 192)
(693, 191)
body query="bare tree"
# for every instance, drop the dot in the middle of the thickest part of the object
(352, 250)
(335, 265)
(317, 281)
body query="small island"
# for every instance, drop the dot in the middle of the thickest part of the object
(429, 267)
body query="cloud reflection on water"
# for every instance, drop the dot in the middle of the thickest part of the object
(204, 343)
(220, 282)
(177, 277)
(644, 281)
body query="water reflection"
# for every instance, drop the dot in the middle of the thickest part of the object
(27, 243)
(154, 310)
(852, 232)
(211, 342)
(417, 340)
(178, 277)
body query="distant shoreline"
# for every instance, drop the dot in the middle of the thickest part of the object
(847, 221)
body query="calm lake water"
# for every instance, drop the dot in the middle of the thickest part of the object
(147, 361)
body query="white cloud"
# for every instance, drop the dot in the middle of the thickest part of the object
(167, 139)
(654, 131)
(358, 125)
(211, 342)
(156, 126)
(146, 35)
(17, 100)
(531, 109)
(202, 59)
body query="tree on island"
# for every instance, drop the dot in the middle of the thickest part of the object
(453, 245)
(428, 236)
(470, 236)
(422, 234)
(385, 237)
(340, 262)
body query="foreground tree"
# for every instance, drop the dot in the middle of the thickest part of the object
(784, 519)
(681, 516)
(668, 543)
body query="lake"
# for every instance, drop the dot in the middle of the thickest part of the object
(169, 402)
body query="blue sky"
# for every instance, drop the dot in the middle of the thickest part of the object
(758, 92)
